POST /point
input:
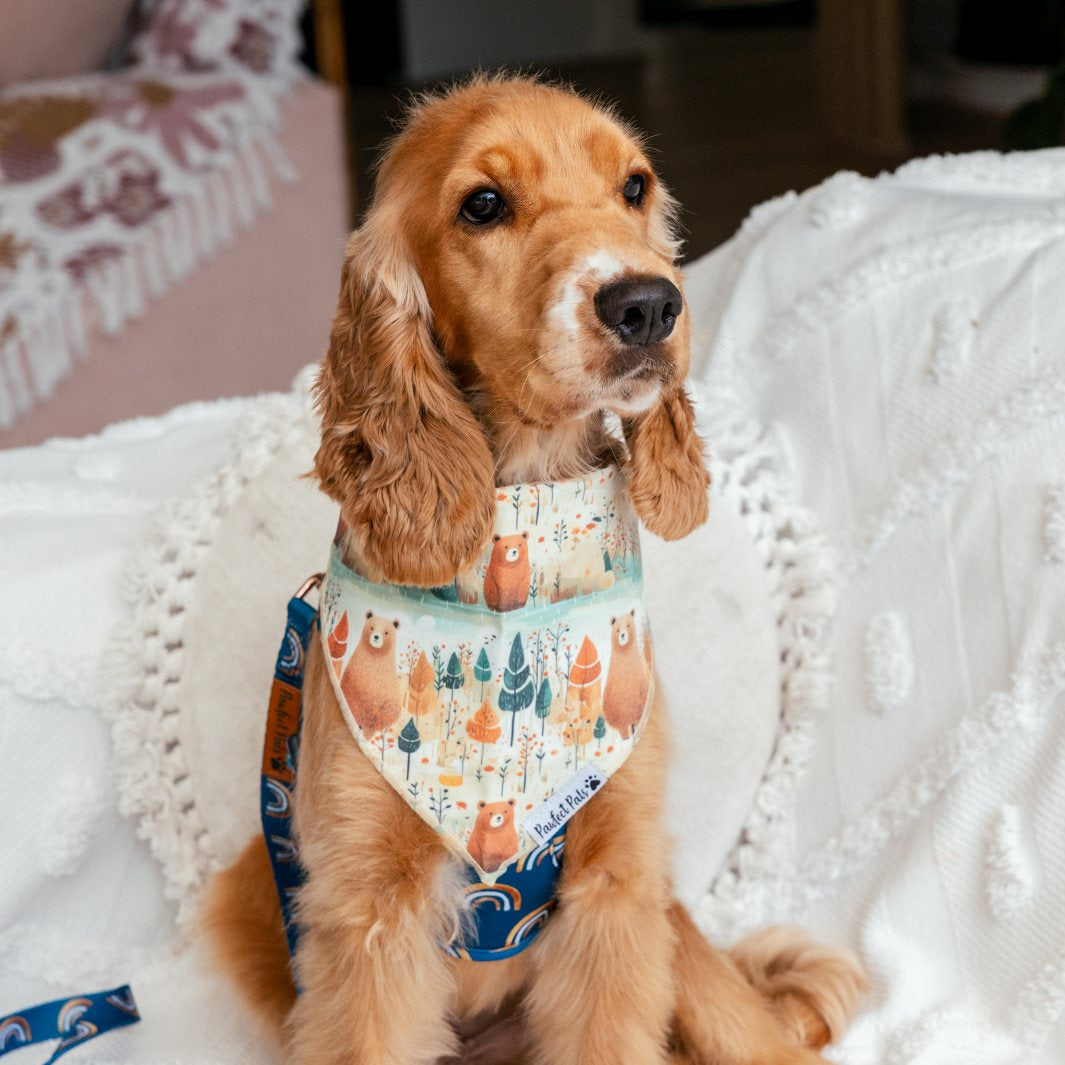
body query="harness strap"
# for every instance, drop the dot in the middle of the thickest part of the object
(280, 748)
(72, 1021)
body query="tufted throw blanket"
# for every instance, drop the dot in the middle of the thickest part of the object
(113, 186)
(903, 341)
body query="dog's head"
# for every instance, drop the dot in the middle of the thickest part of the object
(519, 255)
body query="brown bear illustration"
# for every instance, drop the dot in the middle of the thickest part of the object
(370, 683)
(494, 838)
(506, 584)
(627, 679)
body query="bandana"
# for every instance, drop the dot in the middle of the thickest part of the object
(499, 704)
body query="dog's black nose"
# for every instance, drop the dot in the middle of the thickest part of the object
(640, 310)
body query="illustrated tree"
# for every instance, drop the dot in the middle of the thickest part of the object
(526, 742)
(483, 727)
(438, 668)
(608, 566)
(421, 692)
(384, 741)
(409, 741)
(543, 703)
(440, 804)
(600, 728)
(561, 534)
(557, 632)
(454, 678)
(482, 670)
(567, 652)
(539, 654)
(517, 691)
(504, 769)
(578, 732)
(584, 695)
(338, 641)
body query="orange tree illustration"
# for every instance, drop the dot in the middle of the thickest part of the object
(517, 691)
(526, 746)
(338, 639)
(585, 693)
(384, 741)
(483, 727)
(421, 691)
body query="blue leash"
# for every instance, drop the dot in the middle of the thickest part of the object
(280, 748)
(72, 1021)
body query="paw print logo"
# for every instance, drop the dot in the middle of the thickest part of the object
(277, 764)
(594, 783)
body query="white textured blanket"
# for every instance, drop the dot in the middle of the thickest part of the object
(882, 374)
(903, 340)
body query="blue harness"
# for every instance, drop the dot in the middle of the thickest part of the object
(505, 916)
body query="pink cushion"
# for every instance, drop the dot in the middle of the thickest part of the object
(57, 38)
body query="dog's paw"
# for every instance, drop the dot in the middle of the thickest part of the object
(667, 476)
(814, 989)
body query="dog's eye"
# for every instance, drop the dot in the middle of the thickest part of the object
(634, 188)
(484, 205)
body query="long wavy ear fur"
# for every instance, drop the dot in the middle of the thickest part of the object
(668, 479)
(401, 451)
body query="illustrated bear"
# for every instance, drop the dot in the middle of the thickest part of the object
(370, 683)
(506, 584)
(627, 678)
(494, 838)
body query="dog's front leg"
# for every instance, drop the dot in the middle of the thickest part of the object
(602, 988)
(371, 995)
(379, 900)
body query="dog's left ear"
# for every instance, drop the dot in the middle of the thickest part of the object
(668, 479)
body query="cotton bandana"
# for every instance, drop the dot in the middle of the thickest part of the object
(499, 704)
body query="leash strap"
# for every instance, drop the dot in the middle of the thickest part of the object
(280, 749)
(72, 1021)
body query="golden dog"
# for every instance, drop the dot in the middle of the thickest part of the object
(514, 279)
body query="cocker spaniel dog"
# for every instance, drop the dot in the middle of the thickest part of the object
(514, 281)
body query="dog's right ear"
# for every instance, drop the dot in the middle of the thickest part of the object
(401, 451)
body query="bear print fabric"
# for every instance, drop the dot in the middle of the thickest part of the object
(499, 704)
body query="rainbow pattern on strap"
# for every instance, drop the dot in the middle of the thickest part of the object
(505, 917)
(14, 1032)
(72, 1021)
(503, 896)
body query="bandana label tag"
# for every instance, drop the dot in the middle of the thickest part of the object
(543, 822)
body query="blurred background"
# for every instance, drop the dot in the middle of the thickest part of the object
(742, 99)
(272, 112)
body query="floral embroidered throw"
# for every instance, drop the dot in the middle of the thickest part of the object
(114, 185)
